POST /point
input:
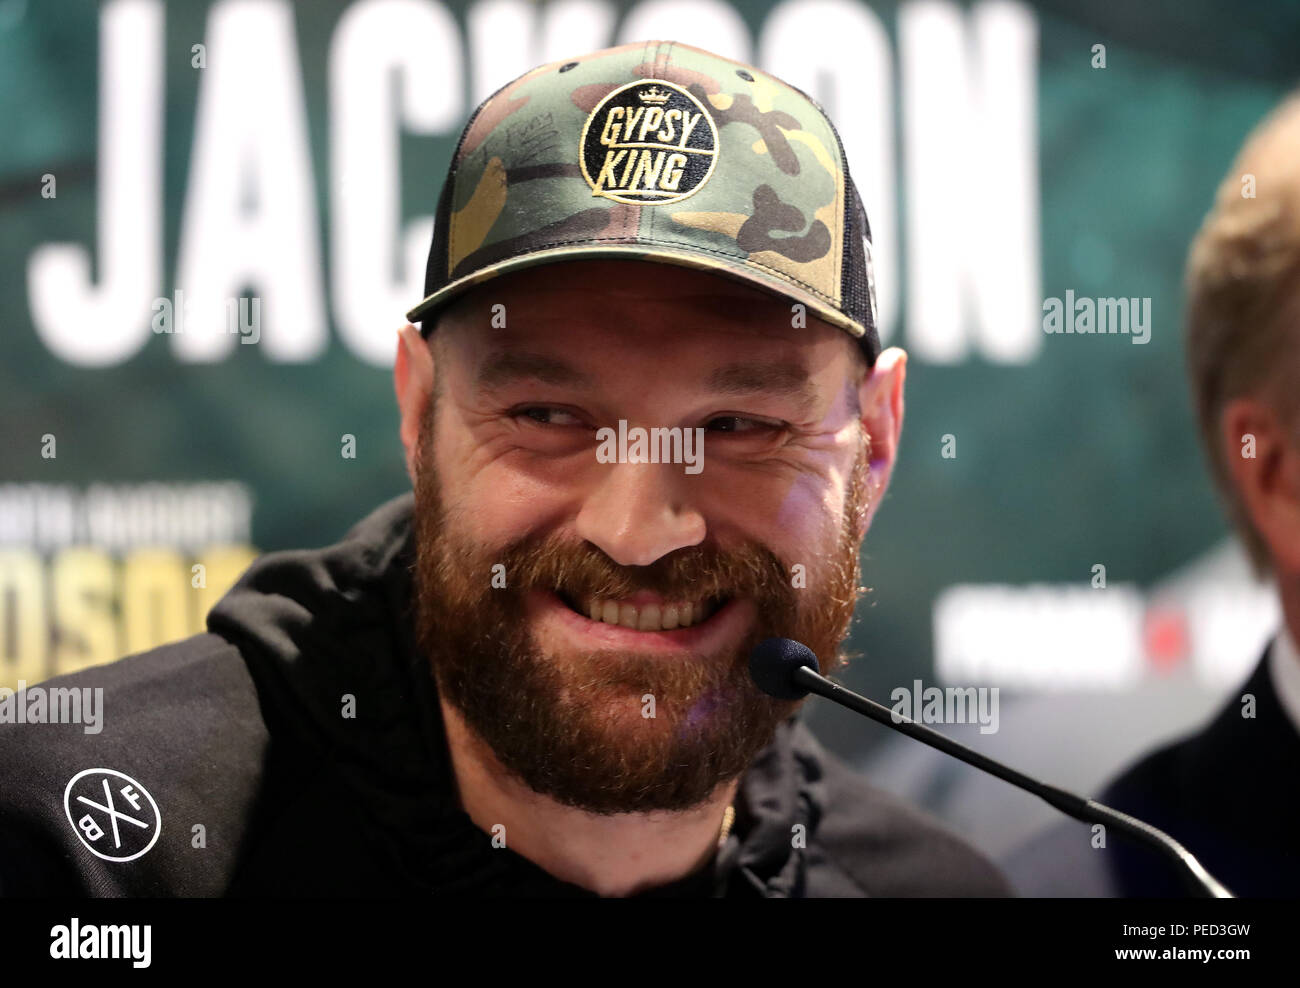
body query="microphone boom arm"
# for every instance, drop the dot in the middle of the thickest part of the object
(1086, 810)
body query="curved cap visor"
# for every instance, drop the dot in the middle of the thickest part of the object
(745, 271)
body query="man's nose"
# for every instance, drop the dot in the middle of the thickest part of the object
(639, 513)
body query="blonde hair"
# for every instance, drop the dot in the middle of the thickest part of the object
(1243, 294)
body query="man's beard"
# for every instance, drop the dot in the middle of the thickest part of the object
(572, 726)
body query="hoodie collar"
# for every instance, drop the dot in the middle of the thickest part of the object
(315, 626)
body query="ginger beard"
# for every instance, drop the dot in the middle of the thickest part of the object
(571, 725)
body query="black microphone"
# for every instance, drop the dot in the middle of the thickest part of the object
(788, 670)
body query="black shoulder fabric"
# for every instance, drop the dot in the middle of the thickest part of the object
(180, 722)
(1218, 793)
(870, 843)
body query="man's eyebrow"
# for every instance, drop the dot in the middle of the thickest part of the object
(502, 367)
(781, 378)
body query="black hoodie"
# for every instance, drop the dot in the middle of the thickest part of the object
(232, 753)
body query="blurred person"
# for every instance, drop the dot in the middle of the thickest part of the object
(1224, 792)
(529, 676)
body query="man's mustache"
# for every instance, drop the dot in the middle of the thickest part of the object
(582, 571)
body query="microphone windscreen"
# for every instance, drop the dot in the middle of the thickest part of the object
(772, 664)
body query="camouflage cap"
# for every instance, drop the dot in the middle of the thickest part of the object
(662, 152)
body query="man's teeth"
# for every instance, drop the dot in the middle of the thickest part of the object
(649, 617)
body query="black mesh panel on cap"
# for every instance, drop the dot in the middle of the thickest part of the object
(857, 284)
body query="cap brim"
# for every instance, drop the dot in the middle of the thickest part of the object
(746, 272)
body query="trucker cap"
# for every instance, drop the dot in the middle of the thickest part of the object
(661, 152)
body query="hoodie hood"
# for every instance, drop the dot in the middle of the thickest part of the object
(330, 632)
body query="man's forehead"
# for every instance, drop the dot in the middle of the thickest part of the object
(581, 325)
(502, 363)
(503, 366)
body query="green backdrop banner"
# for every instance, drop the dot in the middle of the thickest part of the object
(1029, 169)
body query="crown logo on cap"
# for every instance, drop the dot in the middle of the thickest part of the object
(654, 96)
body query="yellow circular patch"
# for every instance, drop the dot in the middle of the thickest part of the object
(648, 143)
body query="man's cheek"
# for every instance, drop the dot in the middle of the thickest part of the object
(512, 503)
(493, 523)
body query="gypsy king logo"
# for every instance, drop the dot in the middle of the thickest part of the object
(648, 143)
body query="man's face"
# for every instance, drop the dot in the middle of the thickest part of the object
(592, 620)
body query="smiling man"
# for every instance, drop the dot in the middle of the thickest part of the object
(604, 676)
(530, 676)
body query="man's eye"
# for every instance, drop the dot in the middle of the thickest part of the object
(549, 416)
(739, 424)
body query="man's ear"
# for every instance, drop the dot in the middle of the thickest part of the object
(880, 396)
(413, 382)
(1264, 468)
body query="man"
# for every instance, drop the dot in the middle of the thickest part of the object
(1224, 792)
(648, 424)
